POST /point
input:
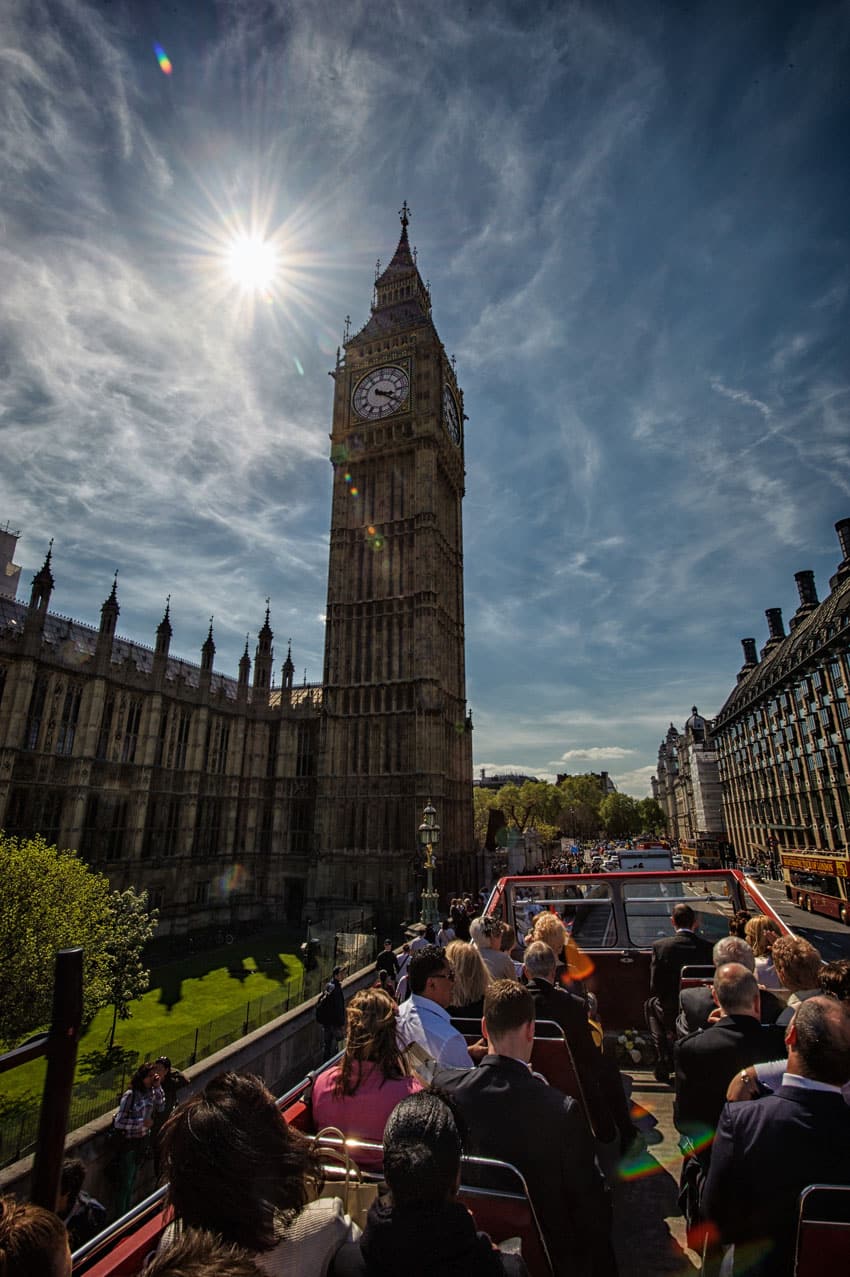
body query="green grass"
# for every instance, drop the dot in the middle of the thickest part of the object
(183, 995)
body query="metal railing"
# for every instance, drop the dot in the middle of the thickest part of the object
(59, 1045)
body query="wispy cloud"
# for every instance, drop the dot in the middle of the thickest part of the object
(595, 752)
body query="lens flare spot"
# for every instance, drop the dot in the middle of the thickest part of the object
(371, 530)
(298, 366)
(355, 492)
(163, 59)
(348, 476)
(252, 263)
(231, 880)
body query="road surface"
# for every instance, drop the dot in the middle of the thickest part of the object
(830, 938)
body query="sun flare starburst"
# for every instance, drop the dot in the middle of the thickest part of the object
(252, 263)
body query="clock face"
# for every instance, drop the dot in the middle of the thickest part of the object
(452, 416)
(381, 392)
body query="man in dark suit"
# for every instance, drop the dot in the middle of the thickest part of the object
(514, 1115)
(706, 1061)
(599, 1076)
(768, 1150)
(698, 1003)
(684, 949)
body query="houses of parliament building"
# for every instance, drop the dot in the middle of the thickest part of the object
(234, 799)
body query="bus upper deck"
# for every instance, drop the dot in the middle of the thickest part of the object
(614, 919)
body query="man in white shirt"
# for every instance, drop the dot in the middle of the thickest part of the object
(486, 934)
(423, 1018)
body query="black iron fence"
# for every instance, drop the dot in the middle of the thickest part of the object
(94, 1096)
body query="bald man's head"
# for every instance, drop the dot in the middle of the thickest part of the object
(736, 990)
(818, 1041)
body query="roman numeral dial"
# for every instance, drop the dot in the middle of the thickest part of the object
(381, 392)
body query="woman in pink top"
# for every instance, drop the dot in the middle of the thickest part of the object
(371, 1078)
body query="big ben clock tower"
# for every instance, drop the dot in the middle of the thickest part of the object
(395, 727)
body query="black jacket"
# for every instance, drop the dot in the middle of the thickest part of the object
(765, 1153)
(706, 1062)
(426, 1241)
(512, 1115)
(697, 1004)
(684, 949)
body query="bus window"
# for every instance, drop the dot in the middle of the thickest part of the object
(649, 906)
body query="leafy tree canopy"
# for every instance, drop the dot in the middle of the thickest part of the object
(580, 802)
(652, 818)
(529, 804)
(620, 815)
(50, 900)
(132, 927)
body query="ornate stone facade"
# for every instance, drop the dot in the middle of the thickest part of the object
(687, 784)
(235, 800)
(395, 728)
(784, 732)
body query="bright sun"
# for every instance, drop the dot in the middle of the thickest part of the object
(252, 263)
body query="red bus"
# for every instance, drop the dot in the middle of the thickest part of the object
(818, 882)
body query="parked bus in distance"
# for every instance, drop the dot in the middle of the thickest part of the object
(818, 882)
(701, 852)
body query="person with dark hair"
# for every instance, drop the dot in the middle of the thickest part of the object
(387, 961)
(834, 979)
(330, 1013)
(423, 1018)
(738, 923)
(33, 1241)
(359, 1093)
(669, 955)
(83, 1216)
(501, 1102)
(421, 1229)
(134, 1123)
(171, 1081)
(766, 1152)
(201, 1254)
(235, 1167)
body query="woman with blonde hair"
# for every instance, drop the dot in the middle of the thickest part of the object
(760, 933)
(359, 1094)
(471, 980)
(572, 966)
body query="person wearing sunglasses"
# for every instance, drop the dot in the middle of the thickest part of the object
(423, 1019)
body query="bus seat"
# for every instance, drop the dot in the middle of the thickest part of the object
(497, 1195)
(695, 977)
(823, 1231)
(125, 1257)
(551, 1056)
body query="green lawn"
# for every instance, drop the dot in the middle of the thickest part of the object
(210, 986)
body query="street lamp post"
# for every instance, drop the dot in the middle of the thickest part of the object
(429, 836)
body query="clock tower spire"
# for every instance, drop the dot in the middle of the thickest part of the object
(395, 730)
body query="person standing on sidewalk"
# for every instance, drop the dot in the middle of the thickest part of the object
(330, 1013)
(134, 1122)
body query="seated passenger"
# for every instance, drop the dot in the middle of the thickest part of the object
(200, 1254)
(486, 935)
(600, 1078)
(760, 933)
(423, 1018)
(235, 1168)
(513, 1115)
(360, 1092)
(471, 980)
(764, 1079)
(421, 1228)
(767, 1152)
(738, 923)
(797, 964)
(83, 1216)
(571, 965)
(33, 1241)
(697, 1005)
(683, 949)
(707, 1059)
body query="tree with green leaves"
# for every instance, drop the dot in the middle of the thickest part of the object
(581, 798)
(133, 926)
(50, 900)
(619, 815)
(483, 802)
(528, 804)
(652, 818)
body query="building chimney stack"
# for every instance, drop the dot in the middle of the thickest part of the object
(806, 589)
(749, 646)
(842, 527)
(774, 622)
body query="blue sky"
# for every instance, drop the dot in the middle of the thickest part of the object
(634, 218)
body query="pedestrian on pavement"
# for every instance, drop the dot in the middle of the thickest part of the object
(330, 1013)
